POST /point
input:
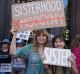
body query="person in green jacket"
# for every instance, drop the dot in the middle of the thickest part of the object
(33, 52)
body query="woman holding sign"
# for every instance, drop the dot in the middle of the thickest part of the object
(33, 52)
(58, 42)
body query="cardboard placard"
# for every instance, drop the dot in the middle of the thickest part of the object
(38, 15)
(58, 57)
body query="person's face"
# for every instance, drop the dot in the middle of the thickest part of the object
(59, 43)
(41, 39)
(5, 47)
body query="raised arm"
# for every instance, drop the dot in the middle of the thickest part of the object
(13, 43)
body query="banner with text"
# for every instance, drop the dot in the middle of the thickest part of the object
(56, 56)
(38, 15)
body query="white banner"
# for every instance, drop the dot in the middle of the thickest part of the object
(5, 67)
(23, 35)
(56, 56)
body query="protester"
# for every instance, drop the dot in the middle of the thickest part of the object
(75, 46)
(33, 52)
(58, 42)
(5, 57)
(18, 63)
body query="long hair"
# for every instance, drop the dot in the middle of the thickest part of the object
(75, 42)
(38, 33)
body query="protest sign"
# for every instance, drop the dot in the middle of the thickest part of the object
(56, 56)
(38, 15)
(23, 35)
(5, 67)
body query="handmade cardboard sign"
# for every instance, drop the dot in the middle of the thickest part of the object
(23, 35)
(38, 15)
(56, 56)
(5, 67)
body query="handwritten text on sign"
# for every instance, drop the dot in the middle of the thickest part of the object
(59, 57)
(5, 67)
(38, 15)
(23, 35)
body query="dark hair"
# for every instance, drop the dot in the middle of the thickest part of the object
(56, 37)
(75, 42)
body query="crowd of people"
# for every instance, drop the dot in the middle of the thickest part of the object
(28, 59)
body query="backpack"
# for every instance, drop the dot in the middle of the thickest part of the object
(18, 65)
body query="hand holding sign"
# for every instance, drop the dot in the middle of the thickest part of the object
(55, 56)
(21, 34)
(72, 58)
(14, 31)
